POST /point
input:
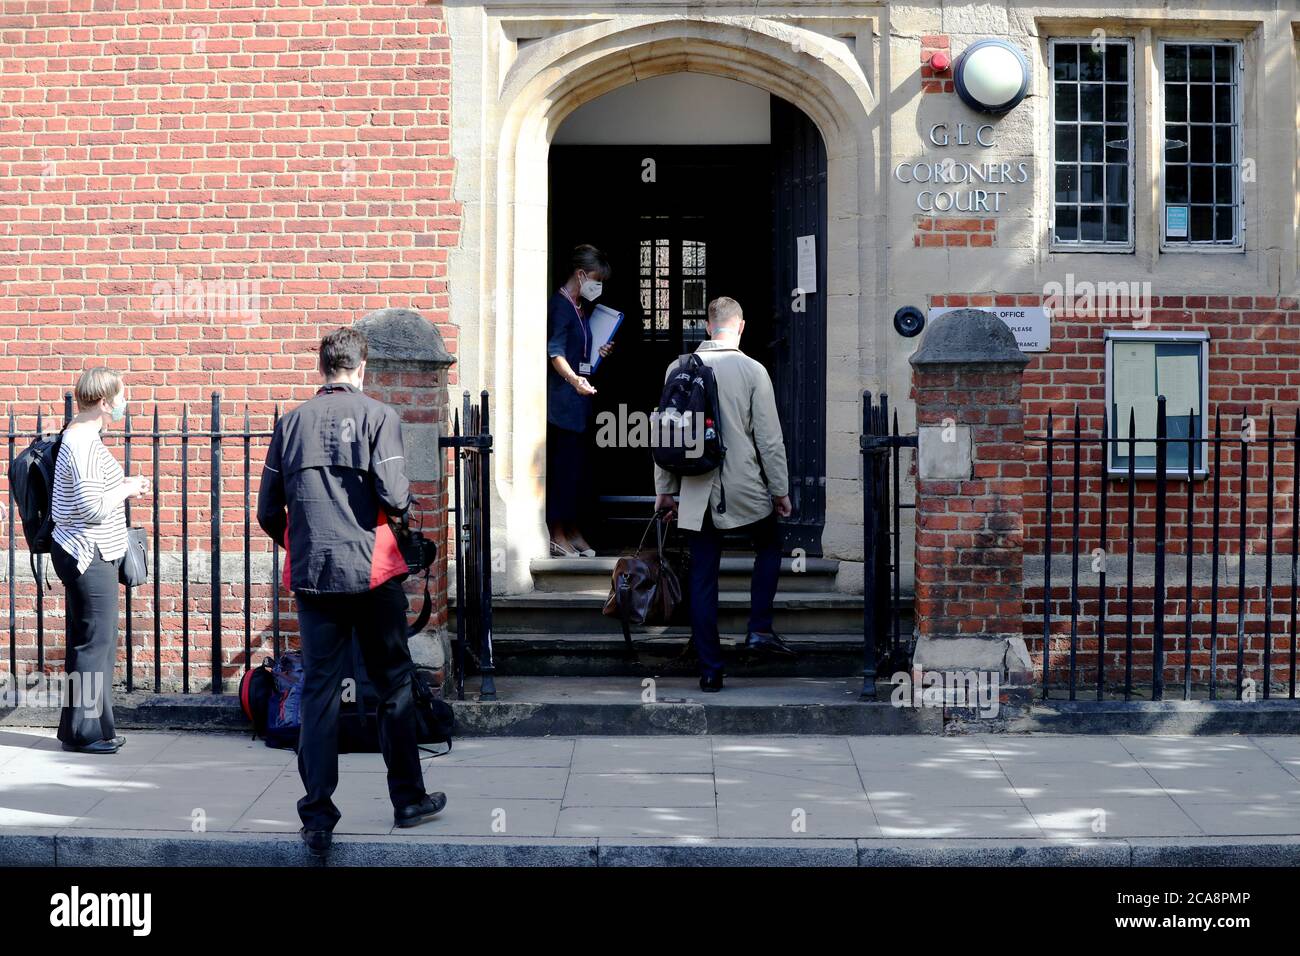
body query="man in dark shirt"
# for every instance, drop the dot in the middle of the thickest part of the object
(334, 490)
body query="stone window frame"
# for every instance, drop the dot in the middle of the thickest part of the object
(1129, 246)
(1158, 122)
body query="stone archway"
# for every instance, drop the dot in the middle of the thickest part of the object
(507, 103)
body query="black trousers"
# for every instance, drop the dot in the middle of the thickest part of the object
(326, 622)
(90, 636)
(706, 561)
(568, 475)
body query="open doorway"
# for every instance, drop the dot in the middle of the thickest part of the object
(694, 187)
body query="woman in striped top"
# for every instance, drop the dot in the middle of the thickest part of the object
(89, 545)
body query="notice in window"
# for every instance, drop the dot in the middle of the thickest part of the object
(1144, 426)
(1176, 222)
(1178, 379)
(1133, 373)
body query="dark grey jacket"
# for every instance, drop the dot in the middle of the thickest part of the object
(334, 471)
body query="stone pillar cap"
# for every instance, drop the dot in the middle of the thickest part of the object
(403, 337)
(969, 337)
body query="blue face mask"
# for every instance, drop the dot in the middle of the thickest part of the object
(118, 411)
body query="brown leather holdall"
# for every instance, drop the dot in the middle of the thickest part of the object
(644, 588)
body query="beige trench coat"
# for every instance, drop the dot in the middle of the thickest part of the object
(754, 471)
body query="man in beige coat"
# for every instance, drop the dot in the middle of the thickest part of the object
(757, 490)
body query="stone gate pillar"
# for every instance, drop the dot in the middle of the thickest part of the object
(969, 507)
(406, 368)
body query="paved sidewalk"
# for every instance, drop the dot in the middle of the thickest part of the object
(190, 797)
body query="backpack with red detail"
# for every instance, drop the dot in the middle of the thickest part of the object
(271, 697)
(256, 688)
(687, 428)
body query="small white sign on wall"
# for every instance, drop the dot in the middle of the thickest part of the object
(1032, 325)
(806, 267)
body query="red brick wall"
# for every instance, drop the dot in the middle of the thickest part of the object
(1224, 629)
(949, 231)
(1254, 367)
(298, 148)
(1254, 354)
(968, 533)
(932, 80)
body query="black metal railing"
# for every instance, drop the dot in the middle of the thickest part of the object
(470, 516)
(180, 442)
(1222, 486)
(885, 648)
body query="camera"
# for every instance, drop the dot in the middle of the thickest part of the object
(418, 551)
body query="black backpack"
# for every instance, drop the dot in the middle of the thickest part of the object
(683, 446)
(359, 718)
(256, 688)
(32, 480)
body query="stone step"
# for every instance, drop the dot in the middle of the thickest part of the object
(578, 574)
(535, 706)
(666, 651)
(579, 612)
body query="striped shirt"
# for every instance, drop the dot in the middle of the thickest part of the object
(88, 497)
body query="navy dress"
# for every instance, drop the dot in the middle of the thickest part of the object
(568, 414)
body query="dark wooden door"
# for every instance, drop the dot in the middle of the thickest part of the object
(798, 343)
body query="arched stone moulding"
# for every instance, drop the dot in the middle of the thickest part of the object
(500, 278)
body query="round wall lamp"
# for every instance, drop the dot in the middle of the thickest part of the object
(909, 321)
(992, 76)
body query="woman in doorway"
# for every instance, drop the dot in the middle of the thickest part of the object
(88, 549)
(568, 399)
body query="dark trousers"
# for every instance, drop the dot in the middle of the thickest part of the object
(706, 557)
(568, 475)
(90, 636)
(326, 622)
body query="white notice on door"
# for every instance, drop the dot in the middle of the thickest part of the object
(806, 267)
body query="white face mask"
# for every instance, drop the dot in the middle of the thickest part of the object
(591, 289)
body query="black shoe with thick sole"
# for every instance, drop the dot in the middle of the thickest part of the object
(768, 643)
(318, 842)
(417, 813)
(711, 685)
(98, 747)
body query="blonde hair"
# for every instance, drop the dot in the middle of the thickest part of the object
(724, 313)
(95, 385)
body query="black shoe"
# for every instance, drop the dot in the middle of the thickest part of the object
(98, 747)
(318, 842)
(769, 643)
(119, 740)
(417, 813)
(711, 685)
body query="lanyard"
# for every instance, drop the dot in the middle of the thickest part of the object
(582, 323)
